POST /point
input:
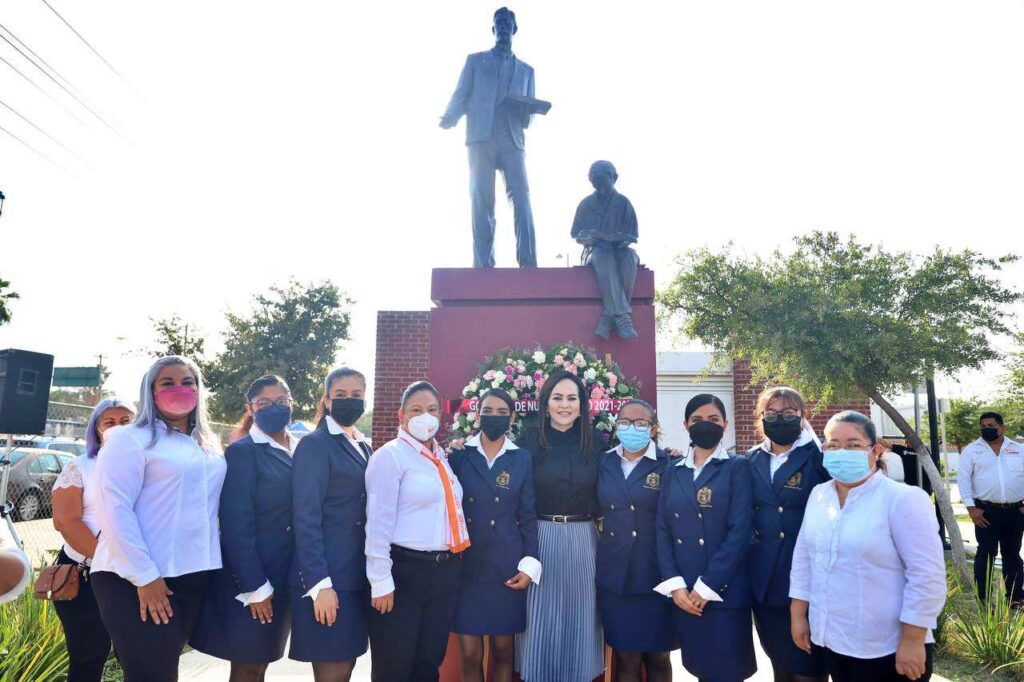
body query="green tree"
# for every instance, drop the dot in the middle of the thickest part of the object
(295, 331)
(6, 296)
(175, 336)
(961, 421)
(1012, 384)
(842, 319)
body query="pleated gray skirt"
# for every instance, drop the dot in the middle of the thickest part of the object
(563, 640)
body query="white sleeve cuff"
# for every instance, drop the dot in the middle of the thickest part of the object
(322, 585)
(265, 591)
(145, 578)
(967, 501)
(798, 593)
(383, 588)
(705, 592)
(669, 586)
(531, 567)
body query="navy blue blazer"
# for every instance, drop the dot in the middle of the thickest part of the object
(500, 513)
(329, 484)
(779, 506)
(704, 527)
(627, 558)
(256, 538)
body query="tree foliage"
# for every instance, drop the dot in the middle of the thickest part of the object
(175, 336)
(961, 420)
(6, 296)
(294, 331)
(841, 319)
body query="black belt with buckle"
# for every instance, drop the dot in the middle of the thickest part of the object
(565, 518)
(436, 557)
(999, 505)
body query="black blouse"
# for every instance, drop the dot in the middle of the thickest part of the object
(565, 480)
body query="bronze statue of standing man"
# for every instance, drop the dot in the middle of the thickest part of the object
(495, 92)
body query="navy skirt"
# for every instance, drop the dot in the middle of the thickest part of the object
(346, 640)
(777, 641)
(490, 609)
(718, 646)
(227, 630)
(637, 622)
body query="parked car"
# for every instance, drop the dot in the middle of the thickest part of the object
(75, 446)
(30, 488)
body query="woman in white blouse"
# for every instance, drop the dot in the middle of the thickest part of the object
(159, 482)
(868, 579)
(75, 518)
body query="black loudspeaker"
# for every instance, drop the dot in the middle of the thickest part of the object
(24, 391)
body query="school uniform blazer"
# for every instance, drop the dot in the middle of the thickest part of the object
(256, 535)
(627, 561)
(704, 527)
(329, 484)
(499, 505)
(779, 506)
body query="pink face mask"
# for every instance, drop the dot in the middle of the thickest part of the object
(177, 401)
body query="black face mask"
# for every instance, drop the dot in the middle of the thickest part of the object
(782, 432)
(495, 426)
(347, 411)
(706, 434)
(990, 433)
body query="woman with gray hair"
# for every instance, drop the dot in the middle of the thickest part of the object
(159, 482)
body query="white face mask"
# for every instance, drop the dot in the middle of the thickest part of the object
(423, 427)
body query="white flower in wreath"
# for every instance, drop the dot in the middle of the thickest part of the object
(471, 417)
(579, 360)
(539, 357)
(513, 393)
(474, 386)
(590, 374)
(529, 382)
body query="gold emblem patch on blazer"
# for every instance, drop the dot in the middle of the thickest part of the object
(653, 481)
(793, 482)
(704, 497)
(502, 480)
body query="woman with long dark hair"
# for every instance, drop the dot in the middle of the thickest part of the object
(246, 616)
(159, 483)
(705, 520)
(497, 484)
(563, 639)
(330, 595)
(75, 516)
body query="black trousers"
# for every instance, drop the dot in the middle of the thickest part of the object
(1003, 536)
(149, 652)
(848, 669)
(84, 633)
(408, 644)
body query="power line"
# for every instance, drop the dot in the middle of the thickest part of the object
(42, 155)
(48, 95)
(41, 60)
(48, 135)
(87, 44)
(61, 86)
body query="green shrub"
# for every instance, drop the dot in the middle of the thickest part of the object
(31, 642)
(990, 634)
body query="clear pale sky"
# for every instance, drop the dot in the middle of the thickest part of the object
(300, 139)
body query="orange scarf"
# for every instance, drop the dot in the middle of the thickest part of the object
(457, 535)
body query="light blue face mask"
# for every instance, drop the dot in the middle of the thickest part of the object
(633, 438)
(847, 466)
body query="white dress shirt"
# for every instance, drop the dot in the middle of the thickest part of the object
(405, 506)
(775, 462)
(868, 566)
(667, 587)
(157, 505)
(266, 590)
(650, 452)
(80, 473)
(985, 476)
(529, 565)
(9, 548)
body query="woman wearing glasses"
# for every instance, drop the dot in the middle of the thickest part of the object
(637, 621)
(245, 617)
(787, 465)
(330, 594)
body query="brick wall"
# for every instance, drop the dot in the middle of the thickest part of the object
(745, 398)
(403, 356)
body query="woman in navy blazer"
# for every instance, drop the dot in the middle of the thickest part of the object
(498, 499)
(637, 621)
(330, 595)
(245, 617)
(705, 518)
(787, 466)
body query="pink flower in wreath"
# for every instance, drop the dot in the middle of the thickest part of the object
(612, 379)
(538, 384)
(520, 382)
(571, 368)
(597, 393)
(489, 374)
(559, 360)
(538, 375)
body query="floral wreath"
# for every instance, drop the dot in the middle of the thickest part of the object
(522, 373)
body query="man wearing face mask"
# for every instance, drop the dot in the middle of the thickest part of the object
(991, 482)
